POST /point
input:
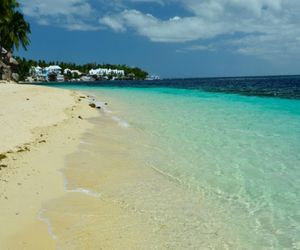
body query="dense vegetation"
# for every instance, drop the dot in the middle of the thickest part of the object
(25, 65)
(14, 30)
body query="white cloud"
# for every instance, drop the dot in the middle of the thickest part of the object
(55, 7)
(70, 14)
(148, 1)
(113, 23)
(266, 28)
(254, 27)
(173, 30)
(198, 47)
(215, 8)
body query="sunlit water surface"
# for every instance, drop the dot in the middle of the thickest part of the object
(200, 169)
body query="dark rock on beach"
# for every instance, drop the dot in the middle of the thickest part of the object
(2, 156)
(3, 166)
(24, 149)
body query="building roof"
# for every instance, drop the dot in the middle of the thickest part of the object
(53, 67)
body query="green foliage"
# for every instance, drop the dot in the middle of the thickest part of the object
(68, 76)
(23, 68)
(6, 6)
(14, 30)
(52, 77)
(76, 76)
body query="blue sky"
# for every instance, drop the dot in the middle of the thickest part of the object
(171, 38)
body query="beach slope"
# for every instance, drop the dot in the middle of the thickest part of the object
(39, 126)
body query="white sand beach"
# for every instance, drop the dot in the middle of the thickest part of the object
(39, 126)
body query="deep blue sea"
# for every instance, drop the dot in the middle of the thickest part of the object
(235, 142)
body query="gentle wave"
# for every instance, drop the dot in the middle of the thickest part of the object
(84, 191)
(106, 110)
(121, 122)
(47, 222)
(80, 190)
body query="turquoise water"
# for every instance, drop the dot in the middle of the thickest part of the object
(242, 153)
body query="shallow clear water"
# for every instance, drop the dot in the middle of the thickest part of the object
(241, 154)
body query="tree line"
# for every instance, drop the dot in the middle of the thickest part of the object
(25, 66)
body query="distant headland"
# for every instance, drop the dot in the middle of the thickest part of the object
(55, 71)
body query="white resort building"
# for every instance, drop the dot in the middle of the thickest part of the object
(106, 72)
(40, 74)
(54, 69)
(72, 72)
(56, 73)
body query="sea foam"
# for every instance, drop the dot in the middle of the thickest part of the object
(47, 222)
(80, 190)
(121, 122)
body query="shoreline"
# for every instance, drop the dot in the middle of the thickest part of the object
(37, 124)
(128, 205)
(108, 185)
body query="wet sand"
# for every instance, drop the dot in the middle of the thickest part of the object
(115, 201)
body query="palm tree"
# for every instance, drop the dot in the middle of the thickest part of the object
(4, 6)
(14, 29)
